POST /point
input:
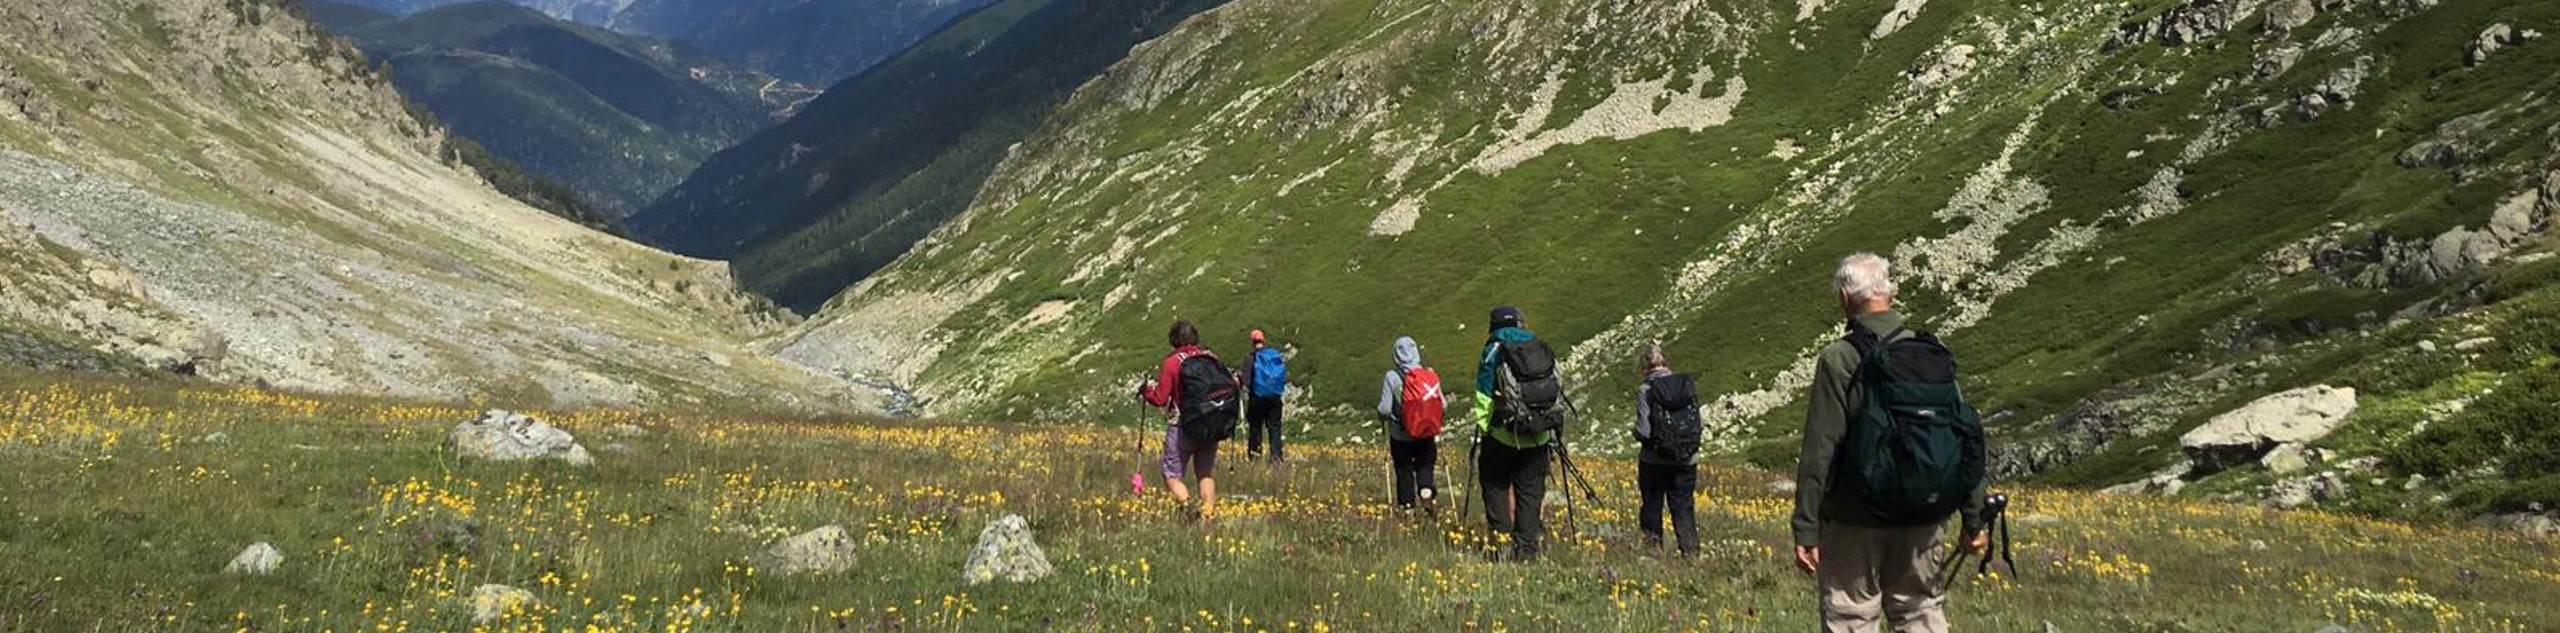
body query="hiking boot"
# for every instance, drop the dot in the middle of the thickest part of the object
(1521, 554)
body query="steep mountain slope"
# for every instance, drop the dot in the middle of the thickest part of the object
(820, 41)
(216, 187)
(617, 118)
(2126, 217)
(814, 204)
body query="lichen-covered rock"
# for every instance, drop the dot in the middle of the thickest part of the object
(492, 602)
(500, 435)
(258, 559)
(2286, 459)
(825, 550)
(2286, 15)
(1006, 552)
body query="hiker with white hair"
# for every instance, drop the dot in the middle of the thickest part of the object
(1890, 453)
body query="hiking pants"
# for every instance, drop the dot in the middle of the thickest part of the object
(1182, 455)
(1871, 577)
(1263, 415)
(1413, 461)
(1673, 485)
(1514, 477)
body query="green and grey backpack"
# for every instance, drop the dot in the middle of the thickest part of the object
(1916, 452)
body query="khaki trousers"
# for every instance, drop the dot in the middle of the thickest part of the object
(1870, 577)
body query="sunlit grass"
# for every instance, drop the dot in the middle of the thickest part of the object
(124, 499)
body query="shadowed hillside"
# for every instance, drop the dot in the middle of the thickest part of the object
(816, 203)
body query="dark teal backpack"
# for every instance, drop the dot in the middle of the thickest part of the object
(1916, 451)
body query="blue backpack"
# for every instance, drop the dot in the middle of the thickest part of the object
(1270, 374)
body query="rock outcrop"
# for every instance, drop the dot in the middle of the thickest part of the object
(503, 436)
(2491, 40)
(2283, 16)
(2292, 417)
(825, 550)
(1006, 552)
(2543, 525)
(2193, 22)
(1903, 12)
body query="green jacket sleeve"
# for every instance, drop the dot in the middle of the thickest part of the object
(1490, 362)
(1826, 419)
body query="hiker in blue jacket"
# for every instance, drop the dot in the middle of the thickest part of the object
(1266, 378)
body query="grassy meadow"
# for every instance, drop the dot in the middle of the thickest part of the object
(121, 501)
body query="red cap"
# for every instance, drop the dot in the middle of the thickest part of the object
(1257, 336)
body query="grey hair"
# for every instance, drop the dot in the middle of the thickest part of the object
(1651, 357)
(1864, 277)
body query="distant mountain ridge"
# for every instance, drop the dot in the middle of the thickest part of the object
(812, 41)
(591, 12)
(813, 204)
(616, 117)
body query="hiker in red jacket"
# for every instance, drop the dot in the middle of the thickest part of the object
(1193, 450)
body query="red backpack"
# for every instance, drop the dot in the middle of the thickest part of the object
(1421, 402)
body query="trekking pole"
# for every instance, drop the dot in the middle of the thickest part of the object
(1574, 472)
(1138, 440)
(1995, 516)
(1565, 465)
(1475, 443)
(1998, 506)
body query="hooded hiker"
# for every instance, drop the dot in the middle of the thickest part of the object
(1410, 404)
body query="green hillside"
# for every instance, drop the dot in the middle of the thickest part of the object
(812, 205)
(2126, 218)
(617, 118)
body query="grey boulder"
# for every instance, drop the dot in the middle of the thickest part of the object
(1006, 552)
(500, 435)
(824, 550)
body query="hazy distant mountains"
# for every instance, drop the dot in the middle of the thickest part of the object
(815, 204)
(803, 40)
(617, 117)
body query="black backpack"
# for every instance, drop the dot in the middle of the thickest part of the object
(1678, 429)
(1916, 452)
(1208, 406)
(1528, 398)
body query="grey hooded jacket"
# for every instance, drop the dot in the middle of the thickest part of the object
(1390, 410)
